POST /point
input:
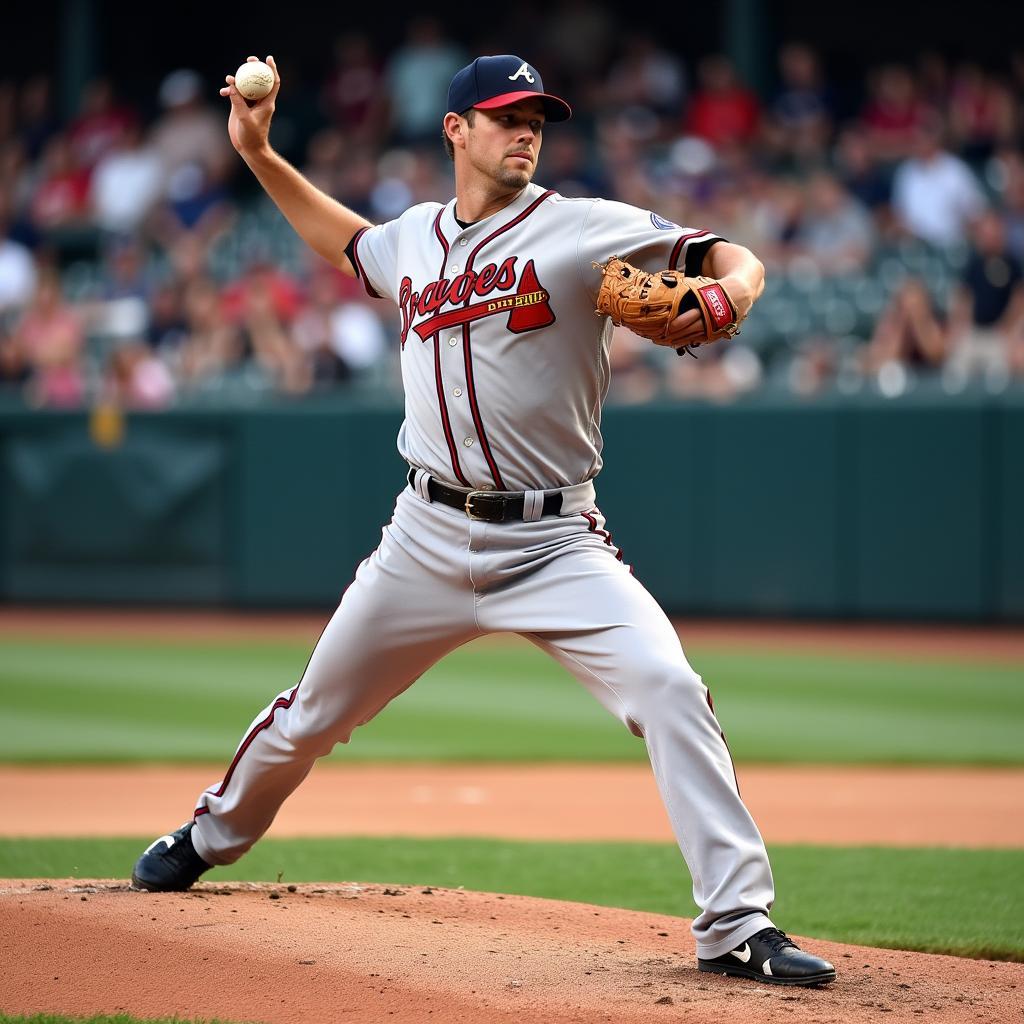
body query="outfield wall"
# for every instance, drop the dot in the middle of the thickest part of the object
(852, 507)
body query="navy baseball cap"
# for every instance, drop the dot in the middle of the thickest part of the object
(497, 81)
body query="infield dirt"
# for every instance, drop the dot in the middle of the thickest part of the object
(347, 952)
(840, 805)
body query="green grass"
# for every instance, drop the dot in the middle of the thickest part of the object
(967, 902)
(69, 701)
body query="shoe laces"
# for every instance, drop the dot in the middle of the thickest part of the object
(776, 940)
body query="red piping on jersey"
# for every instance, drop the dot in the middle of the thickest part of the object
(440, 237)
(711, 704)
(602, 533)
(359, 266)
(445, 422)
(511, 224)
(453, 452)
(467, 353)
(678, 247)
(281, 702)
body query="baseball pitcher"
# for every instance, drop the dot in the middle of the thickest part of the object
(507, 294)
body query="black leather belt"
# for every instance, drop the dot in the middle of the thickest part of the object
(487, 506)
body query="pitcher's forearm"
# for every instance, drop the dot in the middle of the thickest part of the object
(739, 270)
(322, 222)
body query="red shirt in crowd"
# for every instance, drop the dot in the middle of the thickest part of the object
(723, 118)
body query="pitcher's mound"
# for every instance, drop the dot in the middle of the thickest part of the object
(371, 953)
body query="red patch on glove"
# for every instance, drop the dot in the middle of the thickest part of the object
(718, 305)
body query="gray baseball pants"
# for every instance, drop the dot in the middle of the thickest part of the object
(438, 580)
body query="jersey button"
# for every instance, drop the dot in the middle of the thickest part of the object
(463, 241)
(468, 442)
(455, 270)
(452, 342)
(457, 392)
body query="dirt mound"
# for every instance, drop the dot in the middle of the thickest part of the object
(350, 952)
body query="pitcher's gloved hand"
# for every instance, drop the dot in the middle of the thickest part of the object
(649, 305)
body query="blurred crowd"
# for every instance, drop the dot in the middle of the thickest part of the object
(140, 264)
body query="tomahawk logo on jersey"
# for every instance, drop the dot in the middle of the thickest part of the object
(527, 307)
(504, 363)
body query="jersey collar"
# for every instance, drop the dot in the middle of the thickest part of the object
(451, 227)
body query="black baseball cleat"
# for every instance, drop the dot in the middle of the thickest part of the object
(772, 956)
(170, 863)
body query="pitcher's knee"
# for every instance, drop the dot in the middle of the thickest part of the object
(315, 730)
(674, 679)
(660, 687)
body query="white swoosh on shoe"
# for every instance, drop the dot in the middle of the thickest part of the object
(171, 840)
(743, 955)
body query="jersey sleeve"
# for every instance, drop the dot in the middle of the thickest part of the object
(373, 252)
(640, 237)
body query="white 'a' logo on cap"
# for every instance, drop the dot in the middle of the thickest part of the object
(524, 70)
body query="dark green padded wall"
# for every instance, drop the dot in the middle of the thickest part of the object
(316, 487)
(828, 507)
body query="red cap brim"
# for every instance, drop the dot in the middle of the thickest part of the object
(555, 109)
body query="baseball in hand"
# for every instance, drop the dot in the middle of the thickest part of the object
(254, 80)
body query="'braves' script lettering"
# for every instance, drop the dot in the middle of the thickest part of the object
(438, 293)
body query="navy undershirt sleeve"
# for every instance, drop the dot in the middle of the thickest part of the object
(695, 253)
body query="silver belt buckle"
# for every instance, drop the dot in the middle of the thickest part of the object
(469, 503)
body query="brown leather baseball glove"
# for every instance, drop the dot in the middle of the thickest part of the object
(649, 303)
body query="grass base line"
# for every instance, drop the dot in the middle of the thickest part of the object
(962, 902)
(130, 701)
(941, 640)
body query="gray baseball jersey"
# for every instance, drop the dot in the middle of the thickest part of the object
(504, 362)
(505, 366)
